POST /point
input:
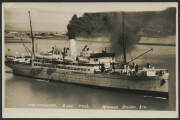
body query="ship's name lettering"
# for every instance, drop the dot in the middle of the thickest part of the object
(67, 106)
(83, 106)
(129, 107)
(142, 107)
(110, 107)
(42, 105)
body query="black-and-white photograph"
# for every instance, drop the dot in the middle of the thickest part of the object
(90, 56)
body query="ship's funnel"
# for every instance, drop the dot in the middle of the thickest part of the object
(72, 46)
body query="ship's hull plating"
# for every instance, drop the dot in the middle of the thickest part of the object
(154, 84)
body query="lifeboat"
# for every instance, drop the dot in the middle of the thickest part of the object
(68, 59)
(83, 59)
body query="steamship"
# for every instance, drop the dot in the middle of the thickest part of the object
(90, 68)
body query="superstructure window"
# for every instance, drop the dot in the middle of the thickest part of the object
(95, 59)
(36, 65)
(73, 68)
(36, 60)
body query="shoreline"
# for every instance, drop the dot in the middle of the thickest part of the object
(160, 41)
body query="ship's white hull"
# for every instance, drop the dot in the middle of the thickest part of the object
(154, 84)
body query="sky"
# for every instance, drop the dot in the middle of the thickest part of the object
(54, 17)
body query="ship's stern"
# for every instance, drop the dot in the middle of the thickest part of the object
(164, 82)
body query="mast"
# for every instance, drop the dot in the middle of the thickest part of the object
(123, 39)
(36, 48)
(33, 54)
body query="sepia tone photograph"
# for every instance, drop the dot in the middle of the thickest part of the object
(117, 58)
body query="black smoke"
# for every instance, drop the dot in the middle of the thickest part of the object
(124, 34)
(136, 24)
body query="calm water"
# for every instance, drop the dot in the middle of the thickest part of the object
(27, 92)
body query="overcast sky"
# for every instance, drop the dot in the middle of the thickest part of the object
(55, 16)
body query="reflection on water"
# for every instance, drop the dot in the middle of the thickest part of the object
(22, 91)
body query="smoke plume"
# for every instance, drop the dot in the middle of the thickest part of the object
(128, 33)
(109, 24)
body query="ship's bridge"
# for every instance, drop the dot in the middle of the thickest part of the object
(102, 58)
